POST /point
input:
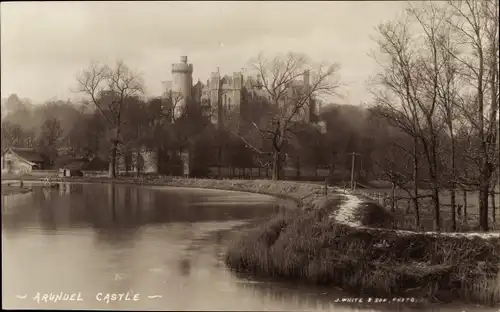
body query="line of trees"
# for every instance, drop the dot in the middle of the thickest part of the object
(439, 87)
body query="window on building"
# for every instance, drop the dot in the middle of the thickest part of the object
(229, 104)
(225, 99)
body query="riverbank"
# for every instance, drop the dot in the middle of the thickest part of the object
(303, 193)
(349, 244)
(12, 190)
(346, 241)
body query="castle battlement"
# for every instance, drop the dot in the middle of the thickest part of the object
(182, 68)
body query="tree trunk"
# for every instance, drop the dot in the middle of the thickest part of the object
(453, 211)
(417, 212)
(453, 185)
(484, 178)
(493, 206)
(393, 196)
(433, 173)
(138, 163)
(416, 180)
(483, 205)
(298, 167)
(276, 165)
(112, 163)
(437, 211)
(465, 207)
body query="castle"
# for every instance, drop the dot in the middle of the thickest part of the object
(222, 95)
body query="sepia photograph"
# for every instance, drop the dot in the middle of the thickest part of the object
(250, 155)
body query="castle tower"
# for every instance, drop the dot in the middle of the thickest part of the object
(215, 97)
(182, 80)
(237, 86)
(307, 77)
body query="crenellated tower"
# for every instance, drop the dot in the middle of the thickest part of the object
(182, 80)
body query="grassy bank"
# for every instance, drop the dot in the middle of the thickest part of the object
(313, 247)
(303, 193)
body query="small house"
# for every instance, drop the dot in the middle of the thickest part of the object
(21, 160)
(72, 167)
(76, 166)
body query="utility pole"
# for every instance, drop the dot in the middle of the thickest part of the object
(353, 154)
(361, 167)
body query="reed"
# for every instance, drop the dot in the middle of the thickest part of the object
(310, 246)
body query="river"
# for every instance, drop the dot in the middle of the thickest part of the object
(125, 247)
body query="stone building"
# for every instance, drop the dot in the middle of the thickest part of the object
(21, 160)
(223, 95)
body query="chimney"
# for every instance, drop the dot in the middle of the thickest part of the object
(184, 59)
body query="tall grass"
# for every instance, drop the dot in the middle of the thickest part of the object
(309, 246)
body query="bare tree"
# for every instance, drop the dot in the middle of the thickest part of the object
(397, 99)
(172, 109)
(448, 99)
(289, 99)
(475, 25)
(107, 89)
(397, 163)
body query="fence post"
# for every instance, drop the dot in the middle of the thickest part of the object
(326, 187)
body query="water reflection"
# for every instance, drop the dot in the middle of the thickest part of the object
(121, 206)
(110, 238)
(185, 266)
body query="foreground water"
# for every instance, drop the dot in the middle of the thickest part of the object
(143, 248)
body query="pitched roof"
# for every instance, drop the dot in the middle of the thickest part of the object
(29, 154)
(70, 162)
(97, 164)
(81, 163)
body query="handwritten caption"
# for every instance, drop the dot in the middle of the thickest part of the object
(378, 300)
(107, 298)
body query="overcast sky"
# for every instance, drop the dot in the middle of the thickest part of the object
(44, 45)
